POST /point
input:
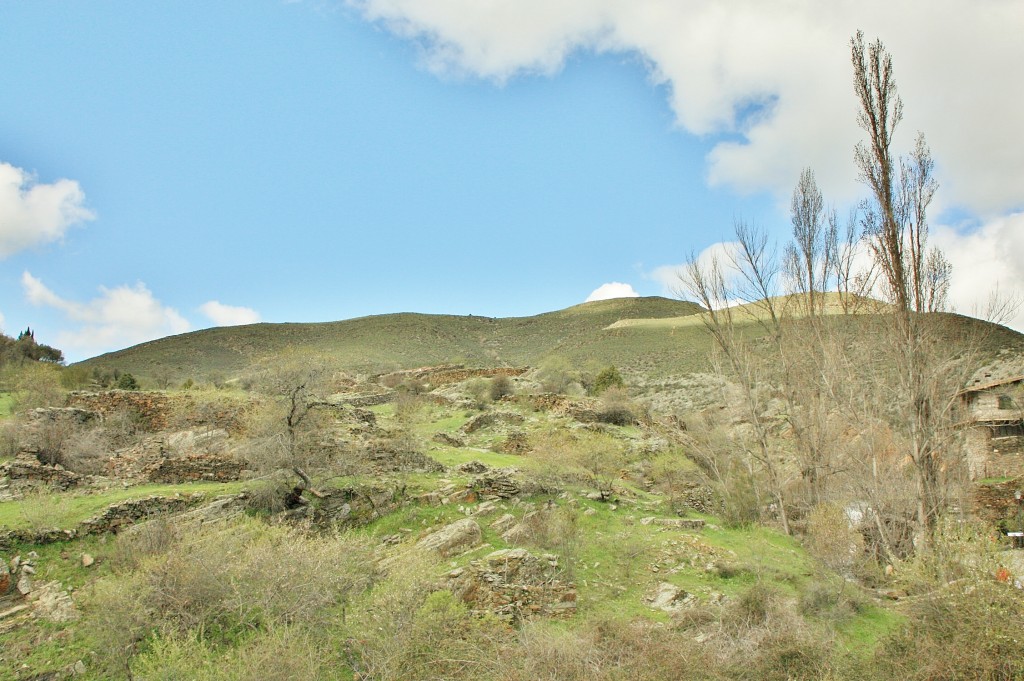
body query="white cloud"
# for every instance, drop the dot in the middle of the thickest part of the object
(1, 322)
(610, 290)
(32, 213)
(988, 261)
(229, 315)
(117, 318)
(673, 277)
(774, 76)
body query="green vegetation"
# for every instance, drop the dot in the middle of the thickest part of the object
(46, 510)
(6, 404)
(388, 342)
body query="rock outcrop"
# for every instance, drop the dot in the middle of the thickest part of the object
(513, 584)
(452, 539)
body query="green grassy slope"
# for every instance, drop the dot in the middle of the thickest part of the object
(388, 342)
(645, 337)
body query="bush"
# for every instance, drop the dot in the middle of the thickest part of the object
(609, 377)
(87, 453)
(556, 375)
(501, 386)
(406, 629)
(831, 540)
(223, 583)
(127, 382)
(968, 630)
(616, 408)
(479, 391)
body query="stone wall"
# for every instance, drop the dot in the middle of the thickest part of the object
(995, 501)
(513, 584)
(152, 408)
(195, 468)
(993, 457)
(164, 411)
(446, 374)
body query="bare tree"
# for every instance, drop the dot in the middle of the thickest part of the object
(810, 257)
(915, 277)
(755, 269)
(896, 219)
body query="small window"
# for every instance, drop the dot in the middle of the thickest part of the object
(1005, 402)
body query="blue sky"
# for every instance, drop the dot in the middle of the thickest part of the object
(168, 166)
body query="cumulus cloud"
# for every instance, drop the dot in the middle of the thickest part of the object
(774, 79)
(610, 290)
(117, 318)
(987, 261)
(32, 213)
(673, 277)
(229, 315)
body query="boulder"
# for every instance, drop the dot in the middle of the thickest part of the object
(451, 539)
(669, 597)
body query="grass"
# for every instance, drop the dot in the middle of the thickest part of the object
(6, 404)
(386, 342)
(65, 511)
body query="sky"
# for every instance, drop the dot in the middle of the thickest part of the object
(169, 166)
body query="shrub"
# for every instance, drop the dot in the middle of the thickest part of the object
(37, 385)
(609, 377)
(87, 453)
(616, 408)
(406, 629)
(831, 540)
(222, 583)
(556, 375)
(967, 630)
(501, 386)
(127, 382)
(479, 391)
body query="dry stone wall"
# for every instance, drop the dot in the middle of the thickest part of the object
(513, 584)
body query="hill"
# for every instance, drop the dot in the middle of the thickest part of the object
(396, 341)
(652, 340)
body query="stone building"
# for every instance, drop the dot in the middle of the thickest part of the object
(993, 419)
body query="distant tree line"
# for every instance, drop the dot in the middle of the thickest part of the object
(25, 348)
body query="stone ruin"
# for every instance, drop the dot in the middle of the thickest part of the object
(514, 585)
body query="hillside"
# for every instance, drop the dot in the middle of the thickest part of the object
(654, 341)
(396, 341)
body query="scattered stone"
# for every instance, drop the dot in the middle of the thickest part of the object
(473, 467)
(52, 603)
(590, 511)
(503, 523)
(452, 539)
(485, 508)
(681, 523)
(79, 668)
(515, 534)
(491, 418)
(513, 584)
(669, 598)
(24, 584)
(449, 440)
(87, 560)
